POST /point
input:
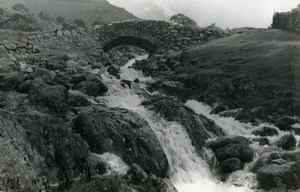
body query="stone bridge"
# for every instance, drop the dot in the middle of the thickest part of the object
(153, 36)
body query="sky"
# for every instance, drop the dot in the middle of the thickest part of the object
(224, 13)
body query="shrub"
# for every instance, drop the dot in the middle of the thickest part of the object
(1, 11)
(80, 23)
(44, 15)
(288, 20)
(183, 20)
(20, 7)
(60, 19)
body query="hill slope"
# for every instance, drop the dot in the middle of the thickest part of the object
(89, 10)
(259, 68)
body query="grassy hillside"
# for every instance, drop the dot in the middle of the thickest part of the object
(89, 10)
(259, 68)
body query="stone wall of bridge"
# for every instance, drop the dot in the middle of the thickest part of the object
(154, 36)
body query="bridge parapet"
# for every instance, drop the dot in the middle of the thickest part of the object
(160, 35)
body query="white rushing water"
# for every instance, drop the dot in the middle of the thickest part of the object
(188, 171)
(114, 163)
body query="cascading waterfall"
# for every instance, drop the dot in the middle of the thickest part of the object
(188, 171)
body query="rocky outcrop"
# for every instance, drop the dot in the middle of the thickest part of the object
(198, 127)
(21, 166)
(61, 149)
(125, 133)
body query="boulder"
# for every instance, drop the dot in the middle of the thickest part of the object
(96, 165)
(285, 123)
(124, 133)
(137, 174)
(62, 150)
(223, 141)
(291, 156)
(11, 46)
(62, 79)
(20, 164)
(287, 142)
(53, 97)
(114, 70)
(41, 73)
(7, 66)
(277, 176)
(92, 85)
(73, 64)
(77, 99)
(199, 127)
(231, 112)
(67, 33)
(230, 165)
(240, 151)
(265, 131)
(91, 88)
(77, 78)
(3, 52)
(56, 62)
(24, 86)
(262, 140)
(219, 107)
(9, 81)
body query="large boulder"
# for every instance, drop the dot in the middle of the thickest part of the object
(90, 88)
(91, 85)
(20, 165)
(287, 142)
(24, 86)
(125, 133)
(64, 152)
(199, 127)
(9, 81)
(286, 123)
(53, 97)
(232, 152)
(278, 176)
(240, 151)
(230, 165)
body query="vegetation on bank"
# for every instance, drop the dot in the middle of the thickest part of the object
(287, 20)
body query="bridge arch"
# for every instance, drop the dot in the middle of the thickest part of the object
(143, 43)
(152, 36)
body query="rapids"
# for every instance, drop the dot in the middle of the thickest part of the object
(188, 171)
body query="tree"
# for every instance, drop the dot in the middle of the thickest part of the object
(183, 20)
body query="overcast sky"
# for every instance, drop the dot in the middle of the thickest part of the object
(225, 13)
